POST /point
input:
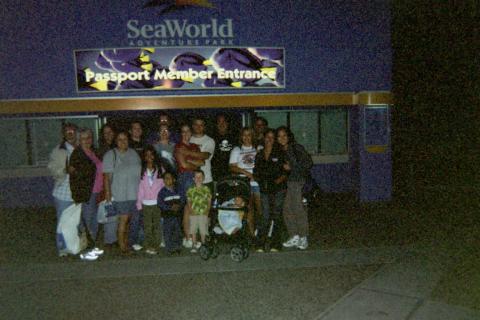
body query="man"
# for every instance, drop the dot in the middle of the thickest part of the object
(57, 165)
(207, 148)
(136, 140)
(261, 124)
(225, 140)
(163, 120)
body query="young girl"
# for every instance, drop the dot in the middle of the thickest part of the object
(150, 185)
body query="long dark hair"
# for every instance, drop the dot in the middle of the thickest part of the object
(289, 133)
(157, 164)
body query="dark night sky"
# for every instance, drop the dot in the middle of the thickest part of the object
(436, 83)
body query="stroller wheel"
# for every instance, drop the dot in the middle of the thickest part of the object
(204, 252)
(215, 250)
(237, 254)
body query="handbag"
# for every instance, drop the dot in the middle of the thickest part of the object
(110, 210)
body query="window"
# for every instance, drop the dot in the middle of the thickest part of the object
(324, 133)
(29, 141)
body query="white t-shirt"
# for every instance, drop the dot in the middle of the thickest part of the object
(206, 144)
(244, 158)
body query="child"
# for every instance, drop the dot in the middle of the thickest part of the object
(231, 220)
(150, 185)
(170, 202)
(198, 205)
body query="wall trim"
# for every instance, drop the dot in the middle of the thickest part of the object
(193, 102)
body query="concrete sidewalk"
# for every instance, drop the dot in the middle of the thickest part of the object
(369, 283)
(402, 291)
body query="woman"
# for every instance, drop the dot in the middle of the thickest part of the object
(106, 143)
(270, 174)
(121, 167)
(298, 166)
(107, 140)
(165, 149)
(186, 165)
(242, 162)
(86, 183)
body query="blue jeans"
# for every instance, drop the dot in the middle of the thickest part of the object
(185, 181)
(110, 230)
(136, 233)
(89, 216)
(60, 205)
(172, 234)
(272, 205)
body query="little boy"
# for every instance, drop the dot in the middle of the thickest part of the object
(198, 205)
(171, 203)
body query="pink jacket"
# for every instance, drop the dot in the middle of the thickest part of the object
(147, 192)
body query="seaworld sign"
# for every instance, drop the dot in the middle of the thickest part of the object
(150, 68)
(180, 32)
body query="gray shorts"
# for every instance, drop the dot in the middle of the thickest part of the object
(125, 207)
(199, 223)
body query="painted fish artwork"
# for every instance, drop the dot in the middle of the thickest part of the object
(173, 68)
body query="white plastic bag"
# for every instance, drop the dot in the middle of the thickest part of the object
(101, 212)
(68, 240)
(229, 220)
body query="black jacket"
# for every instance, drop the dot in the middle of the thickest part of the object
(83, 178)
(266, 171)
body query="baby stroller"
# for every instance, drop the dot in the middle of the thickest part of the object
(230, 205)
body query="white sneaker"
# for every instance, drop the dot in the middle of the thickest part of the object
(137, 247)
(187, 243)
(302, 243)
(97, 251)
(292, 242)
(194, 250)
(150, 251)
(88, 256)
(162, 244)
(198, 245)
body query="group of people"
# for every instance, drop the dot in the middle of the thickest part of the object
(161, 187)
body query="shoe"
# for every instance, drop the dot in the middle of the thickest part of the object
(62, 254)
(88, 256)
(97, 251)
(274, 250)
(302, 243)
(217, 230)
(194, 250)
(260, 250)
(137, 247)
(162, 244)
(150, 251)
(198, 245)
(187, 243)
(292, 242)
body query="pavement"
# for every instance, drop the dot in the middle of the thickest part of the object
(363, 283)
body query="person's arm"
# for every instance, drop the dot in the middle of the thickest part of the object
(209, 207)
(233, 164)
(108, 167)
(107, 178)
(161, 203)
(203, 155)
(140, 195)
(56, 164)
(180, 155)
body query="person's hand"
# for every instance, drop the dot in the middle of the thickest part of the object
(287, 167)
(175, 207)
